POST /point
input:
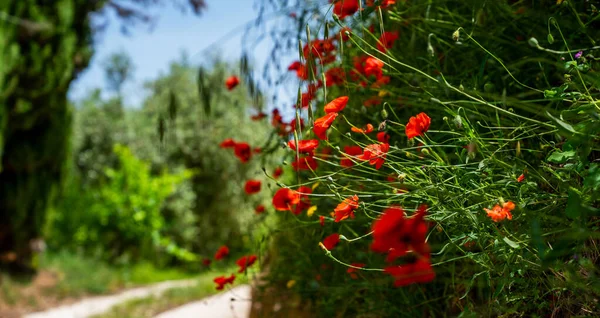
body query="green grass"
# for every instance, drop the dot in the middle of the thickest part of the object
(66, 275)
(151, 306)
(79, 275)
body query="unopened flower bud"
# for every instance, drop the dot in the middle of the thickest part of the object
(533, 42)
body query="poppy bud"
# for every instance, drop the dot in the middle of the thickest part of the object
(430, 50)
(456, 35)
(533, 42)
(384, 114)
(550, 38)
(461, 87)
(425, 151)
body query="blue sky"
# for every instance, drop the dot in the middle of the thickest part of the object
(174, 32)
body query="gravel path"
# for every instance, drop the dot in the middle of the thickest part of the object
(97, 305)
(234, 303)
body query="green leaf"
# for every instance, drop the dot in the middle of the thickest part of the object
(592, 180)
(561, 156)
(510, 243)
(562, 125)
(573, 209)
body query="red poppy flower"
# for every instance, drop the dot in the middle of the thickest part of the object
(321, 49)
(417, 272)
(350, 152)
(258, 116)
(294, 66)
(367, 129)
(259, 209)
(245, 261)
(344, 32)
(498, 213)
(322, 220)
(227, 143)
(344, 8)
(322, 124)
(285, 198)
(331, 241)
(346, 209)
(305, 163)
(376, 154)
(383, 80)
(276, 119)
(373, 67)
(222, 252)
(243, 152)
(293, 124)
(417, 125)
(278, 172)
(335, 76)
(257, 150)
(221, 281)
(394, 234)
(352, 271)
(304, 146)
(304, 202)
(383, 137)
(306, 99)
(336, 105)
(373, 101)
(521, 178)
(252, 186)
(386, 41)
(206, 262)
(231, 82)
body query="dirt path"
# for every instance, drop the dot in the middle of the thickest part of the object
(234, 303)
(97, 305)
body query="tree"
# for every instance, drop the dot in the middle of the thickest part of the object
(43, 46)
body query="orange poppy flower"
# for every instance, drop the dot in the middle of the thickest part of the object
(322, 124)
(322, 220)
(521, 178)
(498, 213)
(346, 209)
(285, 198)
(367, 129)
(336, 105)
(417, 125)
(252, 186)
(231, 82)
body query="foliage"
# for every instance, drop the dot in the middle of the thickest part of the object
(44, 45)
(123, 217)
(513, 119)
